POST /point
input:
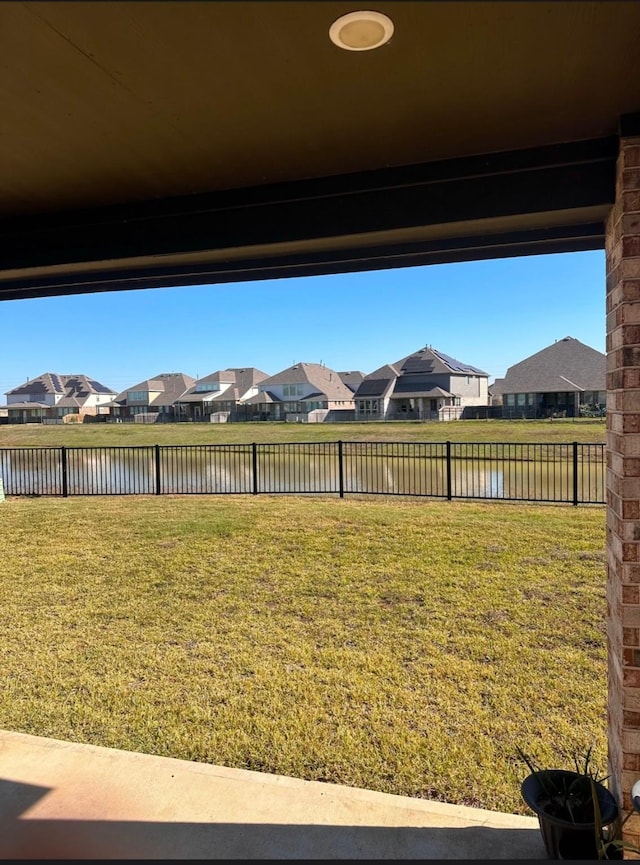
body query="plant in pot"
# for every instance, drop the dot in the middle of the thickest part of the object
(578, 815)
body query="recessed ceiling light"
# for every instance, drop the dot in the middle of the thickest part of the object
(361, 31)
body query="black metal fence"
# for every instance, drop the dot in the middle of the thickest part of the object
(569, 473)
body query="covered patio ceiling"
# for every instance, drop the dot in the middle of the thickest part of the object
(172, 143)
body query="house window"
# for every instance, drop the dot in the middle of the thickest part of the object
(292, 390)
(137, 395)
(511, 399)
(207, 386)
(521, 399)
(368, 406)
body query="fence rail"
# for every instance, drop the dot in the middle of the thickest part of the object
(570, 473)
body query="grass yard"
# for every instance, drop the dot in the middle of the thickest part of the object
(402, 646)
(96, 435)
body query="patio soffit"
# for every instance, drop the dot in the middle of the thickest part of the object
(157, 143)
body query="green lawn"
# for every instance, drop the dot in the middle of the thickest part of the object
(401, 646)
(95, 435)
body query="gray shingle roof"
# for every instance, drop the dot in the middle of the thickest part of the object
(415, 394)
(237, 381)
(262, 398)
(171, 386)
(566, 365)
(352, 379)
(321, 378)
(73, 385)
(412, 374)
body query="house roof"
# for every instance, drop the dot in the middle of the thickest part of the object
(352, 379)
(78, 385)
(567, 365)
(458, 139)
(239, 380)
(261, 398)
(324, 380)
(169, 385)
(427, 361)
(416, 394)
(410, 376)
(22, 405)
(373, 386)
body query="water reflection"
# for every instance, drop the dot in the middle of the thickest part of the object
(299, 469)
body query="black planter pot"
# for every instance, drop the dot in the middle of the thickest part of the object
(566, 839)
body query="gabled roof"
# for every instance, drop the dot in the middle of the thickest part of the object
(73, 385)
(427, 361)
(411, 374)
(245, 378)
(238, 381)
(169, 385)
(320, 377)
(352, 379)
(565, 366)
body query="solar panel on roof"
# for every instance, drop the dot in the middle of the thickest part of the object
(97, 387)
(418, 363)
(56, 381)
(372, 387)
(454, 364)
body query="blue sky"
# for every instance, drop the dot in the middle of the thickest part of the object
(490, 314)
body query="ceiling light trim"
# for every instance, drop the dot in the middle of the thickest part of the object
(361, 31)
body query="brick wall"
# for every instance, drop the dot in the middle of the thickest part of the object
(623, 479)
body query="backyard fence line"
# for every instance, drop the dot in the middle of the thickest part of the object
(569, 473)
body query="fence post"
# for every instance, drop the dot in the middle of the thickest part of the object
(340, 470)
(449, 470)
(575, 474)
(65, 476)
(158, 477)
(254, 460)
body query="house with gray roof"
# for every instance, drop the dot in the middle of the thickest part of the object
(153, 399)
(352, 379)
(565, 379)
(52, 396)
(303, 393)
(425, 385)
(219, 395)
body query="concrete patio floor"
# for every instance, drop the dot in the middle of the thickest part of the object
(61, 800)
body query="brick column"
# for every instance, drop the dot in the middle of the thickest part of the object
(623, 472)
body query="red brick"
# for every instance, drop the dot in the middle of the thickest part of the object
(630, 594)
(631, 510)
(631, 762)
(631, 201)
(630, 179)
(631, 156)
(630, 247)
(631, 679)
(631, 636)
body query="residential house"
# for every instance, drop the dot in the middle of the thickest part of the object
(303, 393)
(54, 397)
(425, 385)
(218, 396)
(566, 379)
(153, 399)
